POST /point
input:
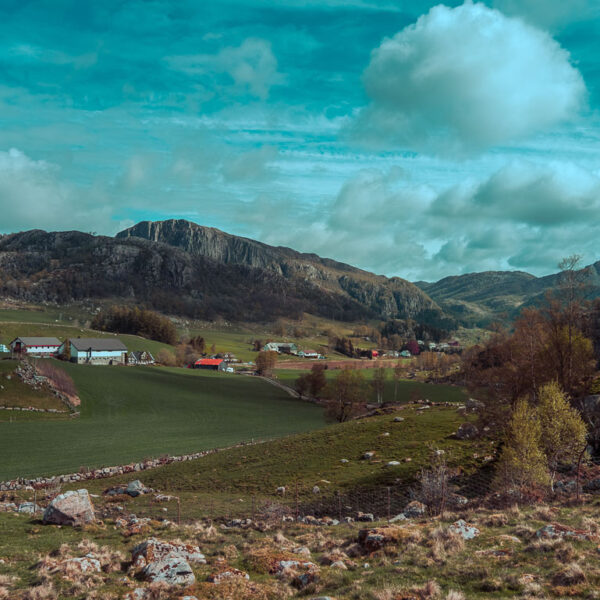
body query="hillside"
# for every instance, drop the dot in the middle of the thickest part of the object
(379, 296)
(476, 299)
(134, 413)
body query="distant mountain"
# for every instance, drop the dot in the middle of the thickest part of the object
(181, 268)
(380, 297)
(480, 298)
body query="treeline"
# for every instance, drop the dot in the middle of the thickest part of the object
(136, 321)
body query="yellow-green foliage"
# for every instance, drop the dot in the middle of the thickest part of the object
(563, 431)
(522, 463)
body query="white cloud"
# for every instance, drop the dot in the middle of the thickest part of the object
(33, 196)
(251, 66)
(467, 78)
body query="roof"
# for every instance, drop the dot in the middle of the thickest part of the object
(100, 344)
(38, 341)
(210, 361)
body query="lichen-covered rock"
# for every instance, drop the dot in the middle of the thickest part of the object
(467, 431)
(414, 509)
(153, 550)
(557, 531)
(173, 570)
(466, 531)
(70, 508)
(226, 574)
(86, 564)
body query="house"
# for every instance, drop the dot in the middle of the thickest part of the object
(140, 358)
(281, 347)
(95, 351)
(214, 364)
(308, 354)
(36, 346)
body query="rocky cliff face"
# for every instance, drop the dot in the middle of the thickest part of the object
(380, 296)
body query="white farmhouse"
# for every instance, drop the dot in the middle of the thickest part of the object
(95, 351)
(36, 346)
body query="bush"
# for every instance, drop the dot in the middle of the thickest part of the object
(148, 324)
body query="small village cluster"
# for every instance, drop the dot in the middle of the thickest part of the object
(89, 351)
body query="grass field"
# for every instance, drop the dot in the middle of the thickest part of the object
(133, 413)
(407, 390)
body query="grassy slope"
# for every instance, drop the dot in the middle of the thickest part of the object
(133, 413)
(407, 390)
(13, 392)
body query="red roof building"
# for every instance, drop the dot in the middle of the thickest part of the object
(216, 364)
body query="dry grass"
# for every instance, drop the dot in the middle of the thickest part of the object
(572, 574)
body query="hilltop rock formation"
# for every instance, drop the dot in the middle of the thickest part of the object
(380, 296)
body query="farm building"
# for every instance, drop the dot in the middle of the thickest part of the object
(36, 346)
(281, 347)
(95, 351)
(140, 358)
(214, 364)
(309, 354)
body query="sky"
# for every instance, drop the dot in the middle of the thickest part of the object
(408, 138)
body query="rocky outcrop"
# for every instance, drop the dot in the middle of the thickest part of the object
(384, 297)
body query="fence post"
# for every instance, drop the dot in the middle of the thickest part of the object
(389, 504)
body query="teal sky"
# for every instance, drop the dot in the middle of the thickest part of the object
(407, 138)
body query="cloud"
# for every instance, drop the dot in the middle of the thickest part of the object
(251, 67)
(525, 215)
(467, 78)
(548, 13)
(32, 195)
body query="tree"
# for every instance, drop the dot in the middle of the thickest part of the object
(378, 383)
(413, 347)
(398, 372)
(345, 395)
(522, 464)
(265, 362)
(317, 380)
(166, 358)
(563, 433)
(302, 384)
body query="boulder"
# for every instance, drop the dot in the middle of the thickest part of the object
(365, 517)
(398, 419)
(70, 508)
(173, 570)
(467, 431)
(466, 531)
(414, 509)
(368, 455)
(155, 550)
(393, 463)
(136, 488)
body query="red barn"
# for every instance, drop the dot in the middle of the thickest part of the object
(216, 364)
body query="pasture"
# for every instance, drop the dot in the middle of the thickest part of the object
(133, 413)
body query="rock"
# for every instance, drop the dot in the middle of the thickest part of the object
(398, 419)
(456, 500)
(28, 508)
(70, 508)
(281, 490)
(466, 531)
(473, 404)
(173, 570)
(365, 517)
(467, 431)
(386, 434)
(87, 564)
(368, 455)
(344, 461)
(393, 463)
(397, 518)
(302, 550)
(136, 488)
(316, 489)
(555, 530)
(591, 486)
(414, 509)
(338, 564)
(226, 574)
(153, 550)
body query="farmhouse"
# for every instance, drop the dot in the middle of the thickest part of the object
(214, 364)
(281, 347)
(95, 351)
(36, 346)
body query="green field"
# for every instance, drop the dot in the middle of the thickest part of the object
(133, 413)
(406, 390)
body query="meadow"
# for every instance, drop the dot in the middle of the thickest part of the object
(133, 413)
(404, 391)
